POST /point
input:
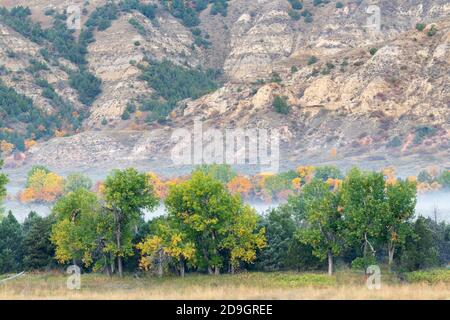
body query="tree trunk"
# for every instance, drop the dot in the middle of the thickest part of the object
(119, 246)
(160, 270)
(182, 267)
(120, 266)
(107, 269)
(330, 263)
(391, 251)
(113, 261)
(216, 270)
(205, 255)
(231, 268)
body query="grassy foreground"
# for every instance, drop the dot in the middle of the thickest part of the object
(344, 285)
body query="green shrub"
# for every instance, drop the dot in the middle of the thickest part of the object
(275, 78)
(362, 263)
(280, 105)
(36, 66)
(421, 26)
(312, 60)
(317, 2)
(219, 7)
(294, 15)
(394, 143)
(373, 51)
(138, 26)
(430, 276)
(444, 180)
(339, 5)
(433, 30)
(125, 115)
(423, 132)
(296, 4)
(424, 176)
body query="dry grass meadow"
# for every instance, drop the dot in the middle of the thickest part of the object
(344, 285)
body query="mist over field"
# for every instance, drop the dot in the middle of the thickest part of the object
(432, 204)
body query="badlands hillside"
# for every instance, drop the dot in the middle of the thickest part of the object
(111, 91)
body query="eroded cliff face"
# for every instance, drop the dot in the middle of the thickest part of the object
(350, 100)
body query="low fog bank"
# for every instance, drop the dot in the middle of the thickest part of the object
(435, 205)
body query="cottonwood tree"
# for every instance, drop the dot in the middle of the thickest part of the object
(42, 186)
(401, 198)
(76, 181)
(169, 240)
(127, 193)
(323, 225)
(216, 221)
(365, 206)
(82, 231)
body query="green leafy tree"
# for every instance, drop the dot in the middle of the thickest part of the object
(127, 194)
(326, 172)
(444, 179)
(33, 170)
(401, 198)
(170, 240)
(323, 225)
(82, 231)
(365, 205)
(222, 172)
(222, 227)
(77, 181)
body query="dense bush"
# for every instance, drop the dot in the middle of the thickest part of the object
(219, 7)
(174, 83)
(283, 251)
(432, 276)
(312, 60)
(280, 105)
(420, 251)
(421, 26)
(423, 132)
(296, 4)
(294, 15)
(395, 142)
(87, 85)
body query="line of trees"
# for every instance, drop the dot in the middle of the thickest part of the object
(364, 220)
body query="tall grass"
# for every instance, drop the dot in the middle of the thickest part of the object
(241, 286)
